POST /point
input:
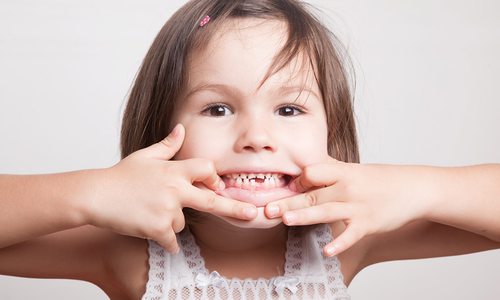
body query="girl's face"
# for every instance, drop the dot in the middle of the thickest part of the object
(258, 136)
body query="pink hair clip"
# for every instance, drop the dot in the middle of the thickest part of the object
(204, 21)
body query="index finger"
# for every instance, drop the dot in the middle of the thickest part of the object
(208, 201)
(319, 175)
(304, 200)
(203, 170)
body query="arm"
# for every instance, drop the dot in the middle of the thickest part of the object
(467, 198)
(419, 239)
(462, 215)
(36, 205)
(115, 263)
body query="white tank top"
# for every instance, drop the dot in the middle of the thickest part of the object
(308, 274)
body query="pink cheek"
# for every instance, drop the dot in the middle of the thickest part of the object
(311, 152)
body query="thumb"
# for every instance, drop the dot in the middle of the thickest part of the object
(166, 148)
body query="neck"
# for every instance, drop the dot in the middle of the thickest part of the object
(241, 252)
(218, 235)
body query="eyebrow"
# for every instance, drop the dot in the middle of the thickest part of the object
(230, 90)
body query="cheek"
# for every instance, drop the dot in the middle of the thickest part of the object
(201, 143)
(310, 144)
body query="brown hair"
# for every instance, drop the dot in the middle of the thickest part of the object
(162, 76)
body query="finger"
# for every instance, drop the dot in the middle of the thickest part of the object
(203, 170)
(166, 148)
(318, 175)
(178, 223)
(309, 199)
(326, 213)
(351, 235)
(168, 241)
(208, 201)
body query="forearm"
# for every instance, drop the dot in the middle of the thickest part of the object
(467, 198)
(35, 205)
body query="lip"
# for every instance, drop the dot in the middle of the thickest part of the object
(259, 197)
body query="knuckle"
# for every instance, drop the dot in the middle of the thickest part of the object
(210, 204)
(310, 173)
(348, 191)
(312, 199)
(307, 171)
(311, 176)
(282, 206)
(179, 225)
(157, 230)
(238, 211)
(169, 168)
(172, 193)
(171, 239)
(166, 142)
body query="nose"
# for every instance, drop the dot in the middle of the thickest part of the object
(255, 135)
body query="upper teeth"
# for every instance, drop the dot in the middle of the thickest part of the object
(253, 175)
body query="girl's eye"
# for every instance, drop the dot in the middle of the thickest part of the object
(217, 110)
(289, 110)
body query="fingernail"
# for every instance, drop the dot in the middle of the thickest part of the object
(290, 217)
(273, 210)
(330, 250)
(250, 212)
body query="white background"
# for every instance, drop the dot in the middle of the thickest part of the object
(427, 93)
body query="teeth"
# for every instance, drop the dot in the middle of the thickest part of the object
(253, 175)
(249, 179)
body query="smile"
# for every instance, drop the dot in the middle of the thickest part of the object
(253, 181)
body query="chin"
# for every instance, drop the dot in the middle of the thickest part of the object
(260, 222)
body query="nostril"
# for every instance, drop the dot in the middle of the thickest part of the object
(255, 149)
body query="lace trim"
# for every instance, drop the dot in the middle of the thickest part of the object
(192, 253)
(293, 256)
(154, 286)
(293, 259)
(215, 286)
(331, 264)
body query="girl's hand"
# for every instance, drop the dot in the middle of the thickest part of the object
(143, 195)
(367, 198)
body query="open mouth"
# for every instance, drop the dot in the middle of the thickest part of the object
(256, 181)
(257, 188)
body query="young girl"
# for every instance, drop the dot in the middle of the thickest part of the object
(264, 102)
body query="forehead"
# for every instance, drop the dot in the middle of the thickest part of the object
(241, 52)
